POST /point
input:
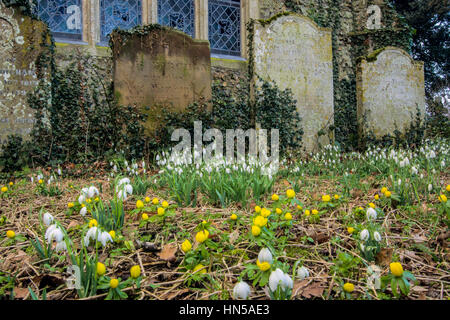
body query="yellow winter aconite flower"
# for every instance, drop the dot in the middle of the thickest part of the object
(186, 246)
(155, 201)
(202, 236)
(336, 196)
(144, 216)
(307, 213)
(443, 198)
(448, 188)
(88, 200)
(114, 283)
(388, 194)
(290, 193)
(70, 205)
(41, 181)
(275, 197)
(147, 200)
(263, 266)
(350, 230)
(135, 271)
(233, 216)
(198, 267)
(139, 204)
(11, 183)
(101, 269)
(288, 216)
(372, 205)
(97, 199)
(314, 212)
(161, 211)
(396, 269)
(260, 221)
(256, 231)
(93, 223)
(349, 287)
(257, 209)
(112, 233)
(299, 207)
(278, 211)
(326, 198)
(377, 197)
(165, 204)
(10, 234)
(383, 190)
(204, 222)
(4, 189)
(265, 212)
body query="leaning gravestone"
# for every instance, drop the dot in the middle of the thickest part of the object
(390, 90)
(297, 54)
(157, 68)
(22, 44)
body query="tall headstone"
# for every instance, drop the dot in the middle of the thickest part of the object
(160, 68)
(297, 54)
(22, 42)
(390, 91)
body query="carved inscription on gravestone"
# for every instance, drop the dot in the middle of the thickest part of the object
(21, 43)
(297, 54)
(162, 68)
(390, 90)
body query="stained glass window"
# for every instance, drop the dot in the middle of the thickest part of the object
(123, 14)
(178, 14)
(225, 26)
(64, 17)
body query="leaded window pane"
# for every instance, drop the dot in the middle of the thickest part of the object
(178, 14)
(225, 26)
(123, 14)
(63, 17)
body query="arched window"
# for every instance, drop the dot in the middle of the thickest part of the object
(178, 14)
(225, 26)
(123, 14)
(64, 17)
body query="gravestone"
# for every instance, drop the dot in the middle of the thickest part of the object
(390, 91)
(21, 44)
(160, 68)
(297, 54)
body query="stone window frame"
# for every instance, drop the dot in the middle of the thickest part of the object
(91, 22)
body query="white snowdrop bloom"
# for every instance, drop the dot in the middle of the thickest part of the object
(32, 180)
(442, 163)
(279, 278)
(432, 155)
(302, 273)
(433, 171)
(430, 187)
(92, 192)
(49, 230)
(92, 233)
(362, 247)
(56, 234)
(399, 182)
(128, 189)
(40, 177)
(81, 199)
(364, 235)
(59, 171)
(377, 236)
(105, 237)
(49, 181)
(48, 219)
(241, 290)
(421, 176)
(86, 241)
(122, 195)
(61, 246)
(124, 181)
(85, 191)
(265, 256)
(115, 168)
(414, 170)
(371, 213)
(126, 163)
(83, 211)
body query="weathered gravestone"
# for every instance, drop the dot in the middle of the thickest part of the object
(159, 68)
(297, 54)
(23, 41)
(390, 91)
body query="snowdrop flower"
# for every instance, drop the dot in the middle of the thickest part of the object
(377, 236)
(115, 168)
(92, 192)
(83, 211)
(241, 290)
(414, 170)
(81, 199)
(124, 181)
(128, 189)
(32, 180)
(430, 187)
(48, 219)
(279, 278)
(265, 256)
(105, 237)
(302, 273)
(122, 195)
(371, 213)
(55, 234)
(61, 246)
(92, 233)
(399, 182)
(364, 235)
(59, 171)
